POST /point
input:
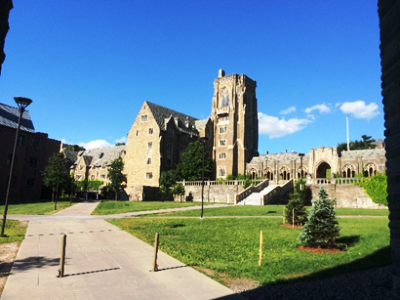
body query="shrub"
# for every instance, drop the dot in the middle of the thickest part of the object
(300, 212)
(376, 188)
(321, 228)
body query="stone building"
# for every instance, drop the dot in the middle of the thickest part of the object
(323, 162)
(94, 164)
(32, 155)
(159, 135)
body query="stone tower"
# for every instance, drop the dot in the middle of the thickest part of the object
(234, 114)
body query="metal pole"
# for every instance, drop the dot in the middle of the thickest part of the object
(62, 259)
(261, 246)
(202, 183)
(155, 266)
(21, 111)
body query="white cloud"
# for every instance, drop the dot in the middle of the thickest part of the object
(121, 140)
(337, 104)
(323, 108)
(311, 117)
(288, 110)
(95, 144)
(275, 127)
(360, 110)
(64, 141)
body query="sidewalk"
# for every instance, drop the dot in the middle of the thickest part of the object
(102, 262)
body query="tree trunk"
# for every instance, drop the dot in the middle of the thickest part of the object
(116, 196)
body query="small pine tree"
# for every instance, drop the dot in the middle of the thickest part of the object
(300, 212)
(321, 228)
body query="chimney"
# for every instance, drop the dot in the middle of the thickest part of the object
(221, 73)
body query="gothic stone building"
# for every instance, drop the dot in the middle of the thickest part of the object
(158, 135)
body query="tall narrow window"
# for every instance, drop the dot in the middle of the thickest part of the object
(149, 149)
(150, 131)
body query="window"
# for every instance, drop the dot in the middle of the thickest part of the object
(33, 162)
(93, 177)
(222, 142)
(137, 132)
(149, 149)
(222, 129)
(170, 149)
(149, 175)
(222, 156)
(102, 176)
(170, 133)
(144, 118)
(31, 183)
(77, 177)
(149, 161)
(21, 140)
(225, 98)
(150, 131)
(224, 118)
(221, 172)
(80, 167)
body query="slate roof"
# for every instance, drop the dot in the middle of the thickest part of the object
(9, 117)
(162, 113)
(201, 124)
(364, 153)
(282, 157)
(70, 155)
(102, 156)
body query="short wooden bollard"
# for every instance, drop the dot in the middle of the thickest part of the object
(62, 258)
(155, 266)
(261, 242)
(293, 218)
(284, 214)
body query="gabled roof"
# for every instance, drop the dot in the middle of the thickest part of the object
(9, 117)
(70, 155)
(102, 156)
(161, 113)
(201, 124)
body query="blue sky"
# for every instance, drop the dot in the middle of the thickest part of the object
(89, 67)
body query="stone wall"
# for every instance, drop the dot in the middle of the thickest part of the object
(212, 193)
(347, 195)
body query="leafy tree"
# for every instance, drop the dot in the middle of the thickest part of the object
(117, 177)
(167, 180)
(296, 202)
(70, 187)
(321, 228)
(56, 175)
(190, 166)
(178, 190)
(120, 144)
(367, 142)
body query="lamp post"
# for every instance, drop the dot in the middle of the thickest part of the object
(203, 141)
(22, 104)
(301, 171)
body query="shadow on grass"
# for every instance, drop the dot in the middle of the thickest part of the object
(349, 241)
(176, 226)
(272, 212)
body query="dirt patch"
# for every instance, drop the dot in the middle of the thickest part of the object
(319, 250)
(288, 225)
(7, 254)
(236, 284)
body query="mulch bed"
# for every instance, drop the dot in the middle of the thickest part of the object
(319, 250)
(288, 225)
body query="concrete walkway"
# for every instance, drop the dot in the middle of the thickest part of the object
(102, 262)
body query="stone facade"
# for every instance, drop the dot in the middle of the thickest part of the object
(159, 135)
(32, 155)
(389, 11)
(318, 163)
(94, 164)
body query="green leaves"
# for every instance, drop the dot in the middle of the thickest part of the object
(56, 174)
(116, 176)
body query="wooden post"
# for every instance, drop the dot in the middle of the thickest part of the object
(62, 258)
(293, 218)
(284, 214)
(155, 266)
(261, 242)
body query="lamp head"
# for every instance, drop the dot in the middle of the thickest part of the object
(22, 102)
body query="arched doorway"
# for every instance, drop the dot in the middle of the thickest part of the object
(324, 170)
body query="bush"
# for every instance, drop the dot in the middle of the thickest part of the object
(300, 212)
(321, 228)
(376, 188)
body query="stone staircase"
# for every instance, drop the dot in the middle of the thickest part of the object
(255, 198)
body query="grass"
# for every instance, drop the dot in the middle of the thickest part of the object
(40, 208)
(267, 210)
(109, 207)
(231, 246)
(15, 231)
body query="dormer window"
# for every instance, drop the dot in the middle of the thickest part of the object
(101, 155)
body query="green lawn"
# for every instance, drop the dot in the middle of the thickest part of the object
(109, 207)
(15, 231)
(40, 208)
(267, 210)
(231, 246)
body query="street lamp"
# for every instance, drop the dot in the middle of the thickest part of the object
(22, 104)
(203, 141)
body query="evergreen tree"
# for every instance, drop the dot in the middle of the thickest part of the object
(321, 228)
(117, 177)
(296, 202)
(167, 180)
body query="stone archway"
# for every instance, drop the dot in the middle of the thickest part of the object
(268, 173)
(323, 169)
(284, 173)
(370, 169)
(348, 171)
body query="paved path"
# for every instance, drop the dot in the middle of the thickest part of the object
(102, 262)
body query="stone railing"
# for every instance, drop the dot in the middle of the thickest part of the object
(287, 187)
(223, 110)
(278, 191)
(252, 189)
(219, 182)
(325, 181)
(262, 185)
